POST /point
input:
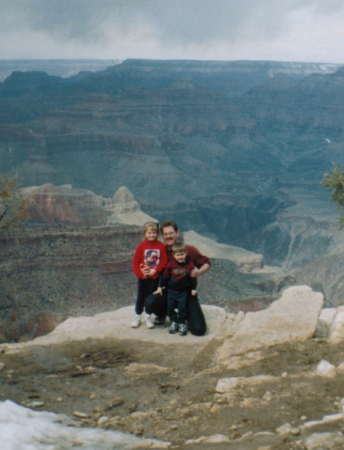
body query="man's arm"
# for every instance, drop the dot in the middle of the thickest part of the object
(200, 271)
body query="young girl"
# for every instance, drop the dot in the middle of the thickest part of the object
(148, 262)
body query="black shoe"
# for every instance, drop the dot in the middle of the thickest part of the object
(158, 321)
(174, 328)
(183, 331)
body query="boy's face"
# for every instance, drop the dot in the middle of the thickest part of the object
(151, 234)
(180, 256)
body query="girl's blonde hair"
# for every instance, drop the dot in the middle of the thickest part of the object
(150, 225)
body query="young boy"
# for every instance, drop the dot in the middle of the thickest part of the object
(176, 277)
(148, 262)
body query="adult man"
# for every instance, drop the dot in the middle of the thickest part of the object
(157, 304)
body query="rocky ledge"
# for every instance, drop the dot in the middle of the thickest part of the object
(270, 379)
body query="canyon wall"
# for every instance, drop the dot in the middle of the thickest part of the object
(234, 151)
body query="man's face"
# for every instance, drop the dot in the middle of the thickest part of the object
(169, 236)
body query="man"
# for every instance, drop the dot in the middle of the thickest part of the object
(157, 304)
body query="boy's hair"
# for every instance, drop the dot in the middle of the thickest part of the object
(150, 225)
(169, 223)
(178, 247)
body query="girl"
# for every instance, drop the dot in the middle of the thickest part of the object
(148, 262)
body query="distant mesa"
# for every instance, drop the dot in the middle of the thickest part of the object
(123, 201)
(63, 204)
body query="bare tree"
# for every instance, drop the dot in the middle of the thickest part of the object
(14, 206)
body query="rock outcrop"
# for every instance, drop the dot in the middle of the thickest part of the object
(293, 317)
(65, 205)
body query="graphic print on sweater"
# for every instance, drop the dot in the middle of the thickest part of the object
(152, 258)
(180, 273)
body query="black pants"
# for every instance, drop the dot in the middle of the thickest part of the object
(157, 304)
(145, 287)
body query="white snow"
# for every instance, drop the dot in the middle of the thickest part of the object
(24, 429)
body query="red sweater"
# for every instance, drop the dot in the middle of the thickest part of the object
(177, 276)
(150, 254)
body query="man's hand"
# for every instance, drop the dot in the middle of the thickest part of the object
(197, 272)
(158, 291)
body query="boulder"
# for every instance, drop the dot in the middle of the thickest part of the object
(337, 328)
(328, 440)
(293, 317)
(326, 369)
(325, 321)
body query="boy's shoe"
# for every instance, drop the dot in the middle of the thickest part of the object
(136, 322)
(149, 322)
(158, 321)
(183, 331)
(174, 328)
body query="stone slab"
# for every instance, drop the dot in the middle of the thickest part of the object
(293, 317)
(117, 325)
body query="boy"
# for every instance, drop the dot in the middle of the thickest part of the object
(176, 277)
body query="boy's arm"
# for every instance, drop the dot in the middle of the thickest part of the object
(162, 284)
(163, 281)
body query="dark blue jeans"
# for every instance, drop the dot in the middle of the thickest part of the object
(177, 300)
(145, 287)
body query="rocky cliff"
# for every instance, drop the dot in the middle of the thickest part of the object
(74, 257)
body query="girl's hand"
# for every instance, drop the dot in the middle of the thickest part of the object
(145, 270)
(151, 272)
(158, 291)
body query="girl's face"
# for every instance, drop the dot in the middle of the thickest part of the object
(151, 234)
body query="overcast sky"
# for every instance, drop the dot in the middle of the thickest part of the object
(276, 30)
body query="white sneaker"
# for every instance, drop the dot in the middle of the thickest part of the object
(149, 322)
(136, 322)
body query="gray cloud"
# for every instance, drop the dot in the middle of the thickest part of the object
(195, 20)
(161, 23)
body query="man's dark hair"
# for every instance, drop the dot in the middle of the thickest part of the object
(169, 223)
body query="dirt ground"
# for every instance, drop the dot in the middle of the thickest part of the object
(166, 392)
